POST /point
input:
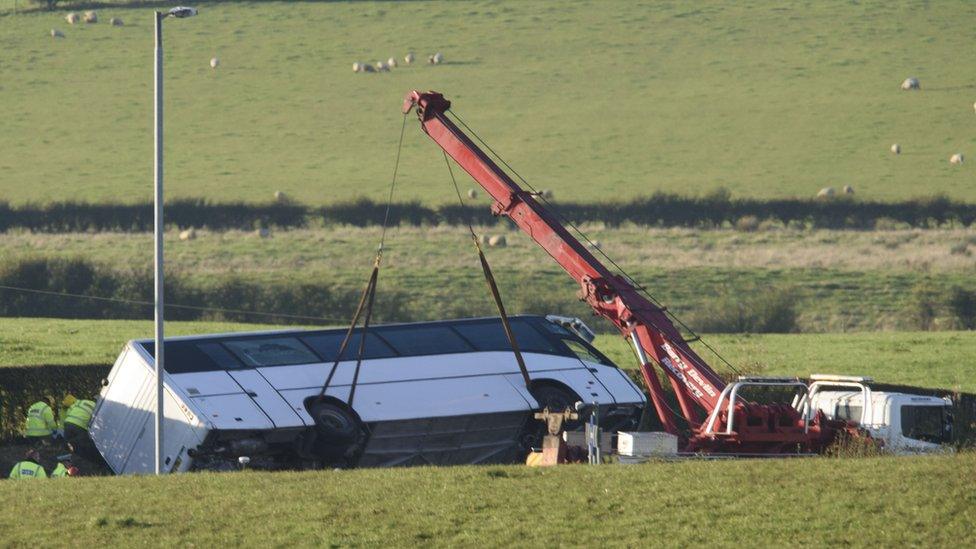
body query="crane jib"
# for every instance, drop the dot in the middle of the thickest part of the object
(697, 387)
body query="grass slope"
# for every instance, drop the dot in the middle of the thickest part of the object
(843, 280)
(861, 502)
(594, 101)
(936, 359)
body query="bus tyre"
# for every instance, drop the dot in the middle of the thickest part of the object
(334, 423)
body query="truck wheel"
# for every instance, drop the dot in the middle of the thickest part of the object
(334, 423)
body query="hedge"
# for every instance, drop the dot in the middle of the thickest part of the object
(665, 210)
(21, 386)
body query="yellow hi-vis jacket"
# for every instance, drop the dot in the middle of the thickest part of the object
(80, 414)
(27, 469)
(40, 420)
(60, 471)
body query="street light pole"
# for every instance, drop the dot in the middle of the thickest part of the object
(179, 12)
(158, 238)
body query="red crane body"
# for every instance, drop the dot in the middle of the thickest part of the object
(777, 428)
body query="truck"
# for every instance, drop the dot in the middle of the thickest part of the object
(712, 416)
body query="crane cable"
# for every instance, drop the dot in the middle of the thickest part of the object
(368, 297)
(492, 286)
(583, 235)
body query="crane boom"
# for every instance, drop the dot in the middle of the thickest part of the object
(616, 298)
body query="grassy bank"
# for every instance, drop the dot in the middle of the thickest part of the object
(945, 360)
(836, 280)
(594, 102)
(860, 502)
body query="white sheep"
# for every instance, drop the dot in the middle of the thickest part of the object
(280, 196)
(55, 33)
(91, 17)
(188, 234)
(896, 148)
(381, 66)
(472, 194)
(956, 158)
(116, 22)
(357, 67)
(497, 241)
(436, 59)
(391, 62)
(848, 189)
(214, 63)
(974, 106)
(910, 83)
(826, 192)
(408, 59)
(71, 18)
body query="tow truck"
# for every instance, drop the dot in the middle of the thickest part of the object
(712, 416)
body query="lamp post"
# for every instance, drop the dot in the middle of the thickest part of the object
(180, 13)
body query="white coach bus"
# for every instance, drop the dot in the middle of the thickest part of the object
(445, 392)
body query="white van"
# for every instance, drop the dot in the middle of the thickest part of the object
(446, 392)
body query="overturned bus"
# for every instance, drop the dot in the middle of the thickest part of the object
(445, 392)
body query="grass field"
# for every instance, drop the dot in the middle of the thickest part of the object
(944, 360)
(812, 502)
(594, 101)
(843, 280)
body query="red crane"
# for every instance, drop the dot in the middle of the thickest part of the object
(718, 419)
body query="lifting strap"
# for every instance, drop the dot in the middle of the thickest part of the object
(369, 294)
(496, 296)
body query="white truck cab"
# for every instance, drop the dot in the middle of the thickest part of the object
(906, 423)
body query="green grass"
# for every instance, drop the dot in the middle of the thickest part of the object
(938, 360)
(843, 280)
(945, 360)
(811, 502)
(596, 102)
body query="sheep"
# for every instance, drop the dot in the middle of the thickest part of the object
(910, 83)
(357, 67)
(896, 148)
(91, 17)
(381, 66)
(368, 68)
(214, 62)
(546, 193)
(71, 18)
(472, 194)
(974, 107)
(956, 158)
(280, 197)
(116, 22)
(188, 234)
(408, 59)
(497, 241)
(848, 189)
(826, 192)
(435, 59)
(55, 33)
(391, 62)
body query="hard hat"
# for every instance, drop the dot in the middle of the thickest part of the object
(69, 399)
